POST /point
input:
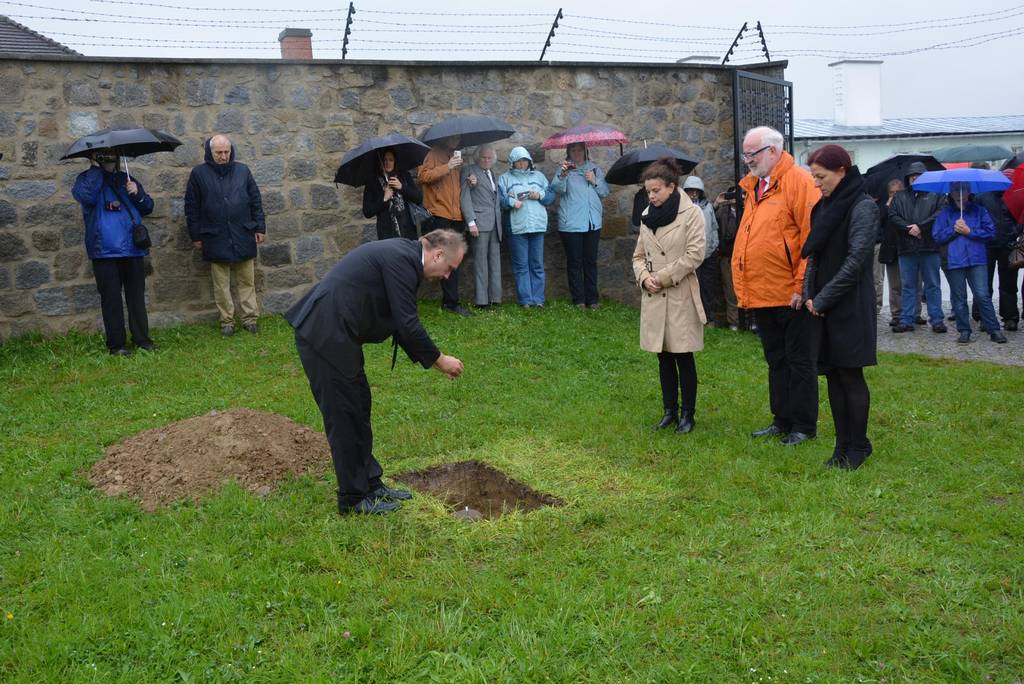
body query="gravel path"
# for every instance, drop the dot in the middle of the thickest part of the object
(944, 345)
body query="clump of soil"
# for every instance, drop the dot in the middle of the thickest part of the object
(194, 457)
(477, 486)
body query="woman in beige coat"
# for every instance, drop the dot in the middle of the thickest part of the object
(665, 261)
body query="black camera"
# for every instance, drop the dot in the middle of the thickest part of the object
(729, 194)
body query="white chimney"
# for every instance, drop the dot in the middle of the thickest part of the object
(857, 87)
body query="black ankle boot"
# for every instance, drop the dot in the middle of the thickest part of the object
(668, 420)
(838, 456)
(855, 457)
(685, 423)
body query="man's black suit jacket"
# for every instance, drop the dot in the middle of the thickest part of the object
(368, 296)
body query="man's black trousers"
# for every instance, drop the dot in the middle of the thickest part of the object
(789, 339)
(345, 405)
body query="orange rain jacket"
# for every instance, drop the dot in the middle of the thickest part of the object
(766, 266)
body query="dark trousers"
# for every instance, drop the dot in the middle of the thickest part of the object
(581, 264)
(113, 276)
(789, 339)
(678, 374)
(450, 286)
(998, 261)
(345, 405)
(710, 281)
(850, 399)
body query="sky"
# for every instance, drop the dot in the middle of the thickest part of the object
(968, 76)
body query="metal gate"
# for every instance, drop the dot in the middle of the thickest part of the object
(760, 101)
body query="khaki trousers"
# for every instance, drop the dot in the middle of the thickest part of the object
(245, 274)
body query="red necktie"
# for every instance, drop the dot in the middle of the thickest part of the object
(761, 187)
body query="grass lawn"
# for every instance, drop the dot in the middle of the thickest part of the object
(708, 557)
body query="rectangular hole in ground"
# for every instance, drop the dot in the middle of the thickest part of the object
(477, 486)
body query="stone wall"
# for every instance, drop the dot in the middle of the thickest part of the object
(291, 123)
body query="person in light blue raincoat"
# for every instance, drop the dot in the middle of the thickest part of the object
(580, 187)
(522, 191)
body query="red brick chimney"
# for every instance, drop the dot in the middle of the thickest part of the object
(296, 43)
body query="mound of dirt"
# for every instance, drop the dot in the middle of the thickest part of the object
(194, 457)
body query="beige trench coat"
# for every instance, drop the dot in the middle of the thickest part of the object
(673, 319)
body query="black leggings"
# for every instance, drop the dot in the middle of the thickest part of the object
(678, 372)
(850, 400)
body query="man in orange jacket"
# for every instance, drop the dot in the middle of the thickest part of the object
(768, 276)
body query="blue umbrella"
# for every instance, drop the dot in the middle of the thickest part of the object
(979, 180)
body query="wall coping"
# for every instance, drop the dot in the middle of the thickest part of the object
(689, 66)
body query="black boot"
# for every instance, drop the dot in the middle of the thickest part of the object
(838, 456)
(668, 420)
(685, 423)
(856, 456)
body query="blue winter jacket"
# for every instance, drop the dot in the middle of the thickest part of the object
(110, 213)
(579, 208)
(964, 250)
(532, 217)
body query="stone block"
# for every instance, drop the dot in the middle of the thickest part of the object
(52, 301)
(15, 304)
(302, 169)
(169, 290)
(268, 171)
(200, 92)
(297, 198)
(11, 89)
(81, 93)
(122, 120)
(331, 140)
(323, 196)
(273, 202)
(68, 265)
(164, 92)
(402, 97)
(5, 279)
(286, 277)
(12, 247)
(229, 121)
(156, 120)
(704, 113)
(46, 240)
(31, 274)
(239, 94)
(82, 123)
(85, 298)
(278, 302)
(7, 126)
(26, 190)
(130, 95)
(276, 254)
(308, 247)
(300, 98)
(8, 215)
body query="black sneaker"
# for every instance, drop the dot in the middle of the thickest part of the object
(370, 506)
(920, 321)
(902, 328)
(1010, 325)
(965, 338)
(997, 337)
(382, 491)
(940, 328)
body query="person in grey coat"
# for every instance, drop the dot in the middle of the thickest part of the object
(708, 273)
(482, 213)
(839, 291)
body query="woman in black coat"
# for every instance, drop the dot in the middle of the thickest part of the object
(388, 199)
(839, 290)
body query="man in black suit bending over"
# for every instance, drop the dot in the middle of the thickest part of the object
(368, 296)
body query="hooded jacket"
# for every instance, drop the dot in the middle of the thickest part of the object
(710, 220)
(766, 266)
(579, 205)
(964, 251)
(532, 217)
(110, 213)
(914, 207)
(224, 209)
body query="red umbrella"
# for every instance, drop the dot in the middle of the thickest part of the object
(593, 136)
(1013, 198)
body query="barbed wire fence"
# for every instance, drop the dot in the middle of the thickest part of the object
(376, 33)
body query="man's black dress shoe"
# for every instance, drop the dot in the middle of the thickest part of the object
(920, 321)
(940, 328)
(772, 429)
(902, 328)
(686, 423)
(794, 438)
(1010, 325)
(668, 420)
(148, 346)
(382, 491)
(370, 506)
(120, 351)
(458, 310)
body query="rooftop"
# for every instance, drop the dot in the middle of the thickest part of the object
(826, 129)
(16, 39)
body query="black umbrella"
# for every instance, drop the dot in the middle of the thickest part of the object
(627, 169)
(361, 165)
(473, 129)
(895, 168)
(972, 153)
(1013, 162)
(127, 142)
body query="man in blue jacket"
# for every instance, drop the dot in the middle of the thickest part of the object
(112, 205)
(224, 214)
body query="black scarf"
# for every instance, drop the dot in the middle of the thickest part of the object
(663, 215)
(830, 212)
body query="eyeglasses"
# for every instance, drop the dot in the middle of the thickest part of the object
(750, 157)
